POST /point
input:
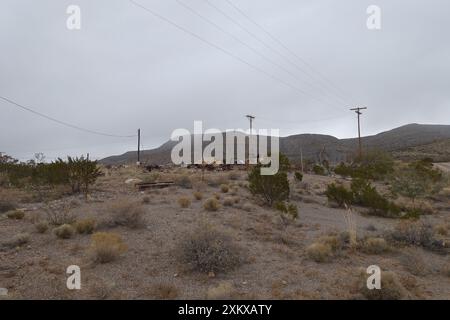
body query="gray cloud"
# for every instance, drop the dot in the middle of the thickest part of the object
(126, 69)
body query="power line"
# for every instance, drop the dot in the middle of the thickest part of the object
(269, 46)
(338, 90)
(225, 51)
(293, 75)
(63, 122)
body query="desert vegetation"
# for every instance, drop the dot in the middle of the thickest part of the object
(227, 234)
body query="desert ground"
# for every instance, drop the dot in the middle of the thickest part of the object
(274, 258)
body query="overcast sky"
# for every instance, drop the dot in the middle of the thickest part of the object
(127, 69)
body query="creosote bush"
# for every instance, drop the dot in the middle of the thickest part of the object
(416, 233)
(211, 204)
(127, 213)
(107, 247)
(184, 202)
(65, 231)
(183, 181)
(208, 250)
(270, 188)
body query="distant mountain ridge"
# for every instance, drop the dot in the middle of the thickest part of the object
(317, 147)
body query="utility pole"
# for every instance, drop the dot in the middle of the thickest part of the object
(139, 148)
(359, 113)
(250, 118)
(301, 158)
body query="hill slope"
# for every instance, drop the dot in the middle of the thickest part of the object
(417, 138)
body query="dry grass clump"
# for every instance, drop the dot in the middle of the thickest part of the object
(164, 291)
(18, 240)
(414, 262)
(223, 291)
(41, 226)
(247, 207)
(391, 287)
(208, 250)
(127, 213)
(15, 214)
(216, 195)
(107, 247)
(320, 252)
(216, 180)
(442, 229)
(58, 217)
(85, 226)
(65, 231)
(327, 247)
(375, 246)
(224, 188)
(198, 195)
(184, 202)
(183, 181)
(211, 204)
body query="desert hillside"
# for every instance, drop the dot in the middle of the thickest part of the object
(316, 147)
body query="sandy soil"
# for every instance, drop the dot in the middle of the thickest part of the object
(276, 264)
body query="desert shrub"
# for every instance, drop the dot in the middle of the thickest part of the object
(184, 202)
(15, 214)
(65, 231)
(164, 291)
(375, 246)
(216, 196)
(414, 262)
(41, 226)
(18, 240)
(228, 201)
(339, 194)
(247, 207)
(412, 184)
(198, 195)
(224, 188)
(271, 188)
(319, 170)
(183, 181)
(391, 287)
(416, 233)
(208, 250)
(298, 176)
(319, 252)
(374, 165)
(127, 213)
(85, 226)
(442, 229)
(107, 247)
(82, 173)
(146, 200)
(366, 195)
(223, 291)
(211, 204)
(6, 206)
(58, 217)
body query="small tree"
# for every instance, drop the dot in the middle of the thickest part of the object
(82, 173)
(411, 184)
(271, 188)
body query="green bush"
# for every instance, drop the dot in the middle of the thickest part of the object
(319, 170)
(339, 194)
(374, 165)
(298, 176)
(271, 188)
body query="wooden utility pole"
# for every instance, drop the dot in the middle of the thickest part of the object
(139, 148)
(250, 118)
(301, 158)
(359, 113)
